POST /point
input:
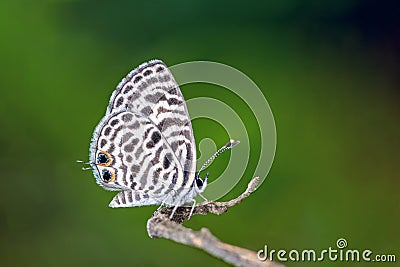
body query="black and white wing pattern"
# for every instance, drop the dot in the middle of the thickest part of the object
(144, 146)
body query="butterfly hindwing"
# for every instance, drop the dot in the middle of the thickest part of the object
(130, 198)
(140, 159)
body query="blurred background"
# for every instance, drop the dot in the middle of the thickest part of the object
(329, 70)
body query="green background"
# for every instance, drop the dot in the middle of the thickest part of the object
(329, 70)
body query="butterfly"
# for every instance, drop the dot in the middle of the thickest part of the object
(144, 146)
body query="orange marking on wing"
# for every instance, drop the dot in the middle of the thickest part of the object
(109, 159)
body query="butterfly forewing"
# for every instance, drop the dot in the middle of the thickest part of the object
(151, 90)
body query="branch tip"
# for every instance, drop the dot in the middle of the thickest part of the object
(160, 226)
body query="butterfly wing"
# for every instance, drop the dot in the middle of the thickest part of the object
(151, 90)
(138, 160)
(148, 136)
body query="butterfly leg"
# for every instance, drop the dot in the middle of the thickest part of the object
(191, 210)
(163, 202)
(202, 197)
(173, 211)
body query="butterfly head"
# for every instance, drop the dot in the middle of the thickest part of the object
(200, 183)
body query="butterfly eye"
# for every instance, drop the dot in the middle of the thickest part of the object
(199, 182)
(103, 159)
(108, 176)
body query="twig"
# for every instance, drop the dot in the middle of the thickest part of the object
(160, 226)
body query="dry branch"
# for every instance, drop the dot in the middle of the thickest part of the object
(160, 226)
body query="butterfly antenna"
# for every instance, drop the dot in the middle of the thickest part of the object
(229, 145)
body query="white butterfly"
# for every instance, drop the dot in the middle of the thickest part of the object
(144, 146)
